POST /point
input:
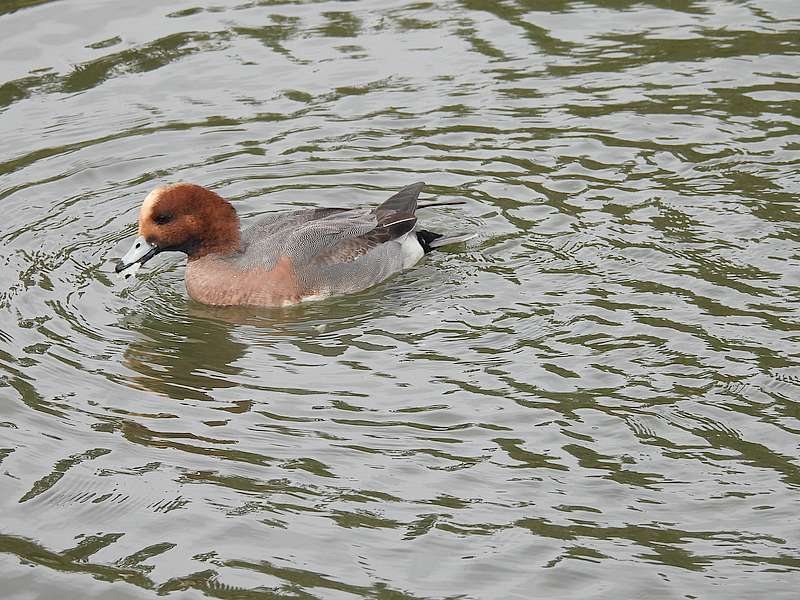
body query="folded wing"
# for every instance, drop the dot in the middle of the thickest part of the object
(347, 236)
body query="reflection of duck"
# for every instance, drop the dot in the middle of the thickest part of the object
(286, 257)
(184, 359)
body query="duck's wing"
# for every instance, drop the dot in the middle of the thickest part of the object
(345, 236)
(392, 220)
(353, 249)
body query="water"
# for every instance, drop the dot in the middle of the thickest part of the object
(598, 397)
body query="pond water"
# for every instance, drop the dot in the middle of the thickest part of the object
(597, 397)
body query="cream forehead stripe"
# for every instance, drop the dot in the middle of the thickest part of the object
(149, 202)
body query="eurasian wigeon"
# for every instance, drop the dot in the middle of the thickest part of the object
(284, 257)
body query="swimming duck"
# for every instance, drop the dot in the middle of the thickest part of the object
(285, 257)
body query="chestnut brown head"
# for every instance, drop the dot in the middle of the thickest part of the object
(185, 218)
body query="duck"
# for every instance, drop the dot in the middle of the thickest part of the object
(284, 257)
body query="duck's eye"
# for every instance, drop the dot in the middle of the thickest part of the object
(163, 219)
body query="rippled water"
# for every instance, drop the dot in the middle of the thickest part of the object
(599, 397)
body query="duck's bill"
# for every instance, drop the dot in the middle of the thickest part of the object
(140, 253)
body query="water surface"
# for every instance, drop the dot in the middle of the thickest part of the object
(598, 397)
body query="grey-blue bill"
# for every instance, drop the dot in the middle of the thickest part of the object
(141, 251)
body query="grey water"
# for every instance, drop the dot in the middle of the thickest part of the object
(597, 397)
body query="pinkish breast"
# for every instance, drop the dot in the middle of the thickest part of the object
(216, 282)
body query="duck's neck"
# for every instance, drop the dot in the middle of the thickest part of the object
(221, 233)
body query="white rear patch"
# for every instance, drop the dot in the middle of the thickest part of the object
(411, 249)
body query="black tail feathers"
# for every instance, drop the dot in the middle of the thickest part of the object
(425, 238)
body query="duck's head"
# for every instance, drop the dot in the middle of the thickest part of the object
(185, 218)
